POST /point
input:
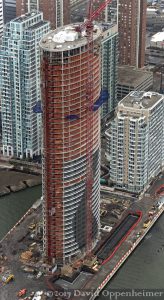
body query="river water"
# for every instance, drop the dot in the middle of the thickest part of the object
(14, 205)
(143, 270)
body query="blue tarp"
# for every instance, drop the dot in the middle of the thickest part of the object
(72, 117)
(104, 95)
(37, 108)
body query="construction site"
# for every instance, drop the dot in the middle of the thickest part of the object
(27, 260)
(74, 238)
(25, 271)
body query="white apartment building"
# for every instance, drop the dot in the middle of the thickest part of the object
(20, 85)
(135, 141)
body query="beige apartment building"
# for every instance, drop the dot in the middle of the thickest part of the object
(135, 141)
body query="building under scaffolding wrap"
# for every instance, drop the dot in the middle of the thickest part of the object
(64, 80)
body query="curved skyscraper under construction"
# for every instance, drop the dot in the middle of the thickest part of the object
(67, 136)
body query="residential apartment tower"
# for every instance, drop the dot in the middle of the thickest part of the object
(132, 32)
(1, 18)
(9, 10)
(109, 68)
(135, 141)
(20, 90)
(55, 11)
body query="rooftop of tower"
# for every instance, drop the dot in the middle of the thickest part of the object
(132, 76)
(67, 37)
(26, 17)
(140, 100)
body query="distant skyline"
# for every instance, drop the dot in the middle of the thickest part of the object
(55, 11)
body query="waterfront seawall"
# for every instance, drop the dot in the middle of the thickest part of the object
(124, 258)
(14, 181)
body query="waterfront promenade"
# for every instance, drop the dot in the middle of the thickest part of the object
(96, 283)
(124, 257)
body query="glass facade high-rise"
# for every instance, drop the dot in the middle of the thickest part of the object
(1, 18)
(20, 85)
(109, 50)
(109, 74)
(9, 10)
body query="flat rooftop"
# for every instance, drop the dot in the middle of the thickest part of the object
(67, 37)
(141, 99)
(26, 17)
(131, 76)
(37, 25)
